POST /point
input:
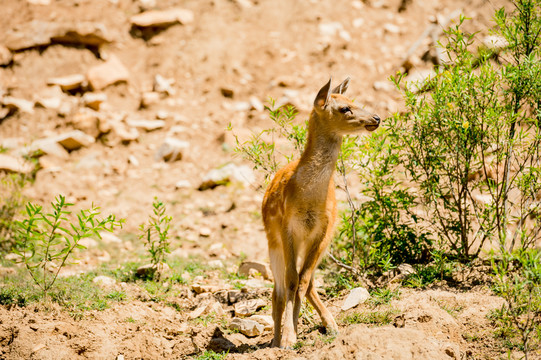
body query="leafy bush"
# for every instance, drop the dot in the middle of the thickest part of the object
(471, 144)
(11, 205)
(45, 243)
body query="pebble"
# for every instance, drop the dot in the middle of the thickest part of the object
(248, 307)
(260, 267)
(6, 57)
(74, 140)
(22, 105)
(162, 18)
(356, 296)
(171, 150)
(69, 82)
(108, 73)
(247, 327)
(16, 165)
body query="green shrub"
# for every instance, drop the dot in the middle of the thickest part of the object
(156, 237)
(45, 241)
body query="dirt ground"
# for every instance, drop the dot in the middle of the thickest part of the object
(220, 68)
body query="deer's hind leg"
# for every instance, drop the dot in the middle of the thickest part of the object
(278, 293)
(325, 315)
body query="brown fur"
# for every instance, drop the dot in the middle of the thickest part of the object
(299, 210)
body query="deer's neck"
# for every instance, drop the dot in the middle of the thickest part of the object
(318, 162)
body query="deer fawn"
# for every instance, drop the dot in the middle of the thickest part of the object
(299, 210)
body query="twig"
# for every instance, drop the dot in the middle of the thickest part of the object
(344, 266)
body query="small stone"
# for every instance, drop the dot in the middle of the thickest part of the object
(149, 98)
(94, 100)
(38, 347)
(147, 125)
(156, 18)
(162, 115)
(16, 165)
(406, 269)
(391, 28)
(87, 121)
(33, 34)
(133, 160)
(171, 150)
(124, 134)
(200, 310)
(120, 357)
(84, 33)
(183, 184)
(50, 99)
(264, 320)
(247, 327)
(74, 140)
(199, 288)
(260, 267)
(227, 92)
(22, 105)
(205, 232)
(256, 104)
(104, 281)
(68, 83)
(356, 296)
(108, 73)
(248, 307)
(6, 57)
(47, 146)
(226, 174)
(149, 270)
(163, 85)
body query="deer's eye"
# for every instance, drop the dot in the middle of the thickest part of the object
(345, 109)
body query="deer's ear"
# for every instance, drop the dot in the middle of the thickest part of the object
(323, 95)
(342, 88)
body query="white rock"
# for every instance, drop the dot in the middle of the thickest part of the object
(156, 18)
(391, 28)
(13, 164)
(330, 29)
(183, 184)
(108, 73)
(256, 104)
(265, 320)
(94, 100)
(5, 56)
(149, 98)
(416, 81)
(163, 85)
(248, 307)
(247, 327)
(47, 146)
(406, 269)
(356, 296)
(88, 243)
(260, 267)
(383, 86)
(171, 150)
(205, 232)
(39, 2)
(133, 160)
(104, 281)
(18, 104)
(162, 115)
(69, 82)
(74, 140)
(147, 125)
(226, 174)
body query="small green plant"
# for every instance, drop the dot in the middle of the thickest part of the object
(211, 355)
(518, 281)
(383, 296)
(156, 238)
(45, 243)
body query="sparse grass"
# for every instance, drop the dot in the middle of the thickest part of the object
(211, 355)
(376, 317)
(383, 296)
